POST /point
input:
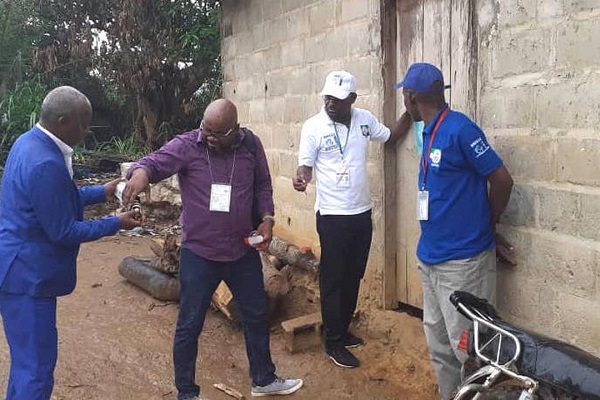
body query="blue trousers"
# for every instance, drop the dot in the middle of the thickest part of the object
(199, 279)
(30, 329)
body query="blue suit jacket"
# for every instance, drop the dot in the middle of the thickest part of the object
(41, 219)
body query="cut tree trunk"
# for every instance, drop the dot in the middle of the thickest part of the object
(292, 255)
(276, 286)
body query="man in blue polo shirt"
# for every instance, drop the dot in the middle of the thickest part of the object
(457, 213)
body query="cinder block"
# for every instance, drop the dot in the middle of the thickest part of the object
(257, 111)
(582, 5)
(559, 210)
(314, 48)
(298, 80)
(337, 43)
(274, 109)
(363, 72)
(271, 9)
(288, 164)
(528, 157)
(571, 104)
(507, 107)
(276, 84)
(295, 109)
(578, 44)
(516, 12)
(559, 261)
(521, 210)
(303, 332)
(590, 216)
(292, 53)
(578, 161)
(578, 321)
(354, 10)
(549, 9)
(528, 51)
(322, 17)
(273, 57)
(298, 25)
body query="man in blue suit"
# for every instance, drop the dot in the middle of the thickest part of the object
(41, 228)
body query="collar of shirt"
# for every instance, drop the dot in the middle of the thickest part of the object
(429, 128)
(326, 119)
(65, 149)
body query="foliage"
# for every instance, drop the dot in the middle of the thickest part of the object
(19, 111)
(18, 33)
(158, 54)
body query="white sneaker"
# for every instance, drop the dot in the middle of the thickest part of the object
(277, 387)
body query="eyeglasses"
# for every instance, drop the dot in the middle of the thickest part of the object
(215, 133)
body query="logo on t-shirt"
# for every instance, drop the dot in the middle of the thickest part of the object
(365, 130)
(329, 143)
(480, 146)
(435, 156)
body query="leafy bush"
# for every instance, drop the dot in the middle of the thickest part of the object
(19, 112)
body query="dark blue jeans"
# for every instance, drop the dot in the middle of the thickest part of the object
(199, 279)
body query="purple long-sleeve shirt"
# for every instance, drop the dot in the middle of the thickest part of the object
(217, 236)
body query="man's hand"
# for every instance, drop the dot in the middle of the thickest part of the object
(302, 179)
(266, 230)
(130, 219)
(110, 189)
(505, 251)
(299, 183)
(137, 184)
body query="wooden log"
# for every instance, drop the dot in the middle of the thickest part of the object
(222, 300)
(276, 286)
(292, 255)
(168, 253)
(157, 247)
(276, 283)
(159, 285)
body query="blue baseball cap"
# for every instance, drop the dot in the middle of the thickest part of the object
(423, 78)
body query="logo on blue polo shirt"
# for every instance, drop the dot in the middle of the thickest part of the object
(435, 156)
(480, 146)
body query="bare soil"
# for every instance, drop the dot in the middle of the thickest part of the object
(115, 343)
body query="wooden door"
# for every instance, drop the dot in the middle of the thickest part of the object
(440, 32)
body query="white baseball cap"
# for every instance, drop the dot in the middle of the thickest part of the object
(339, 84)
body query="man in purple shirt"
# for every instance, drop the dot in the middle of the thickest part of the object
(224, 179)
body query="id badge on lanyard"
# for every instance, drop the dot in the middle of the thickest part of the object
(220, 197)
(343, 175)
(423, 205)
(423, 194)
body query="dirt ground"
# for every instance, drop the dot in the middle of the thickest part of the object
(115, 344)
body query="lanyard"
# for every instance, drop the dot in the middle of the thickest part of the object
(210, 167)
(337, 138)
(427, 156)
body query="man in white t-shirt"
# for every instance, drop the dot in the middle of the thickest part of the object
(335, 143)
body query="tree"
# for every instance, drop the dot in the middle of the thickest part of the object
(18, 34)
(160, 53)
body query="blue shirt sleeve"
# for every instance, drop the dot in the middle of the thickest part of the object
(92, 195)
(477, 151)
(56, 209)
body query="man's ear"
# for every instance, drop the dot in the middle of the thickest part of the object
(353, 97)
(63, 120)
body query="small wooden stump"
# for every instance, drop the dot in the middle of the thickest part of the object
(302, 333)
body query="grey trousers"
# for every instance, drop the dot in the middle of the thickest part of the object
(442, 323)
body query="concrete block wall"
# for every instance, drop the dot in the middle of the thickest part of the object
(275, 56)
(539, 103)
